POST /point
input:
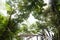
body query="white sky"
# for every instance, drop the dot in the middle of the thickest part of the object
(46, 1)
(2, 10)
(2, 7)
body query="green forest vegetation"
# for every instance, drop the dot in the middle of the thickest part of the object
(47, 19)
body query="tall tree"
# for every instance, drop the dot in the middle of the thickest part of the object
(55, 6)
(19, 10)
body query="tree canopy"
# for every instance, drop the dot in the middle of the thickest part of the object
(18, 11)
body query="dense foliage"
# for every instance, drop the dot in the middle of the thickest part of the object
(18, 12)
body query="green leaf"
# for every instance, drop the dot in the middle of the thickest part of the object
(8, 7)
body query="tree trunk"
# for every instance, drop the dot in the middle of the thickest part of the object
(57, 20)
